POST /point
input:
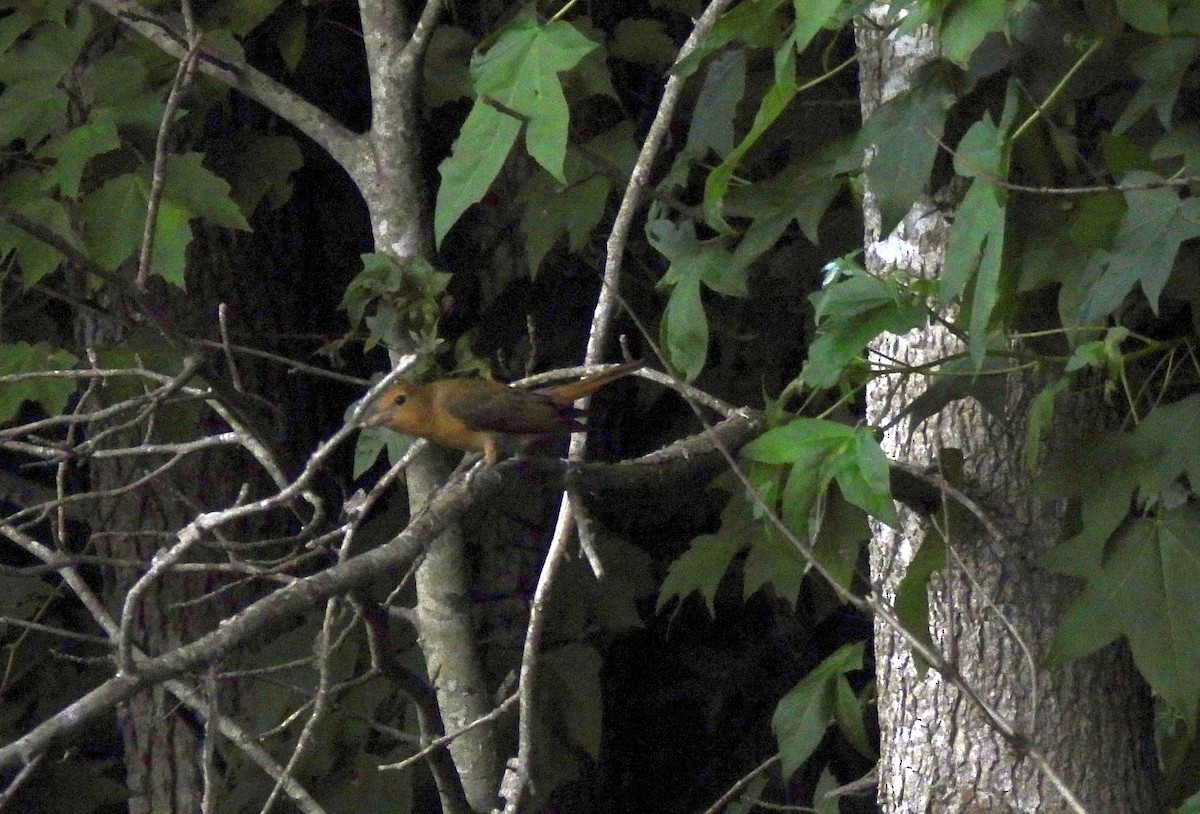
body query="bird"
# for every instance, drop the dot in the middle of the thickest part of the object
(479, 415)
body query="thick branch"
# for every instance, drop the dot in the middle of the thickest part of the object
(690, 459)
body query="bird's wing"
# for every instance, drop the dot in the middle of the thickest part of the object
(518, 412)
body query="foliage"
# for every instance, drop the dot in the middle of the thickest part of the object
(1072, 252)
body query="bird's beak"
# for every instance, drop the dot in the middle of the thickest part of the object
(372, 415)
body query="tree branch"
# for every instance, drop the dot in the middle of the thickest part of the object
(345, 147)
(693, 458)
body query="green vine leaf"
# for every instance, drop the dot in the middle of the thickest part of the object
(684, 326)
(904, 132)
(701, 568)
(50, 393)
(850, 312)
(1155, 223)
(475, 160)
(966, 24)
(520, 71)
(1145, 590)
(820, 452)
(74, 149)
(803, 715)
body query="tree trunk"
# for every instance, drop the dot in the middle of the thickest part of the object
(992, 610)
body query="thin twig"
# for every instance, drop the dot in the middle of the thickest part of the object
(731, 794)
(179, 89)
(445, 740)
(517, 783)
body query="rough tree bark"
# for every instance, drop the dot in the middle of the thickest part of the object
(1092, 719)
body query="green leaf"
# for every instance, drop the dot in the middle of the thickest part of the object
(573, 673)
(864, 477)
(1161, 67)
(905, 131)
(75, 148)
(822, 802)
(114, 216)
(1103, 472)
(478, 154)
(852, 292)
(842, 339)
(844, 531)
(200, 193)
(46, 51)
(1168, 440)
(959, 379)
(706, 261)
(1143, 251)
(590, 77)
(755, 22)
(118, 82)
(1087, 626)
(965, 25)
(684, 326)
(796, 438)
(29, 110)
(773, 204)
(552, 209)
(821, 451)
(50, 393)
(684, 329)
(447, 77)
(172, 234)
(975, 251)
(1039, 421)
(1123, 155)
(644, 42)
(700, 568)
(912, 594)
(1182, 141)
(803, 715)
(32, 103)
(240, 17)
(850, 713)
(852, 308)
(23, 193)
(811, 17)
(392, 295)
(1147, 591)
(259, 167)
(1189, 806)
(1089, 354)
(291, 36)
(810, 473)
(975, 248)
(1096, 220)
(16, 23)
(520, 71)
(774, 102)
(1151, 16)
(716, 106)
(774, 561)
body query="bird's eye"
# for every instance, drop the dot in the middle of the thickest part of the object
(399, 399)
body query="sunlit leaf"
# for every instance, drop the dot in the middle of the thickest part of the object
(478, 154)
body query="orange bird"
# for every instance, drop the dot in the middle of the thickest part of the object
(477, 414)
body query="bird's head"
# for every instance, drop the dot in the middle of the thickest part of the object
(394, 407)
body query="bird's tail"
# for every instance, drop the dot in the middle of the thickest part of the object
(567, 393)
